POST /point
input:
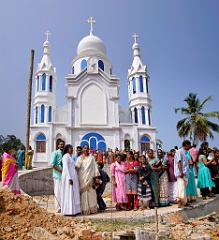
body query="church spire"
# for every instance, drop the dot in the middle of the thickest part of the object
(91, 21)
(138, 89)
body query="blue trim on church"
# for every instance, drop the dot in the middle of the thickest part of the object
(94, 140)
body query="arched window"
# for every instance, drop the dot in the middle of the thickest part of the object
(136, 115)
(44, 82)
(134, 85)
(50, 114)
(127, 144)
(83, 64)
(143, 115)
(50, 83)
(141, 84)
(73, 70)
(149, 117)
(147, 85)
(111, 71)
(94, 140)
(145, 143)
(38, 84)
(36, 119)
(42, 113)
(41, 143)
(101, 64)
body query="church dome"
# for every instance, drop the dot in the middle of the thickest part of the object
(91, 43)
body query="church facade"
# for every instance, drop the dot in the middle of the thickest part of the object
(92, 114)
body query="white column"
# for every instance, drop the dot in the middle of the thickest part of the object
(70, 115)
(144, 85)
(133, 115)
(40, 82)
(46, 113)
(146, 117)
(47, 82)
(137, 85)
(139, 115)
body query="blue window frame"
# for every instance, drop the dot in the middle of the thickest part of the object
(36, 119)
(134, 85)
(42, 113)
(50, 114)
(136, 115)
(147, 85)
(149, 116)
(143, 115)
(101, 64)
(44, 82)
(145, 139)
(141, 84)
(41, 143)
(50, 83)
(83, 64)
(38, 84)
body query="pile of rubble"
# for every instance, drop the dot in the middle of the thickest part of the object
(22, 218)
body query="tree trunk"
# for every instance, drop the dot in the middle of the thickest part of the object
(29, 103)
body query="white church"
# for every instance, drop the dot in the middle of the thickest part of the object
(92, 114)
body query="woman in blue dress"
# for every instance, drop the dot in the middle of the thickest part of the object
(191, 190)
(204, 175)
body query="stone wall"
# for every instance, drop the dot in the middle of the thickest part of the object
(37, 182)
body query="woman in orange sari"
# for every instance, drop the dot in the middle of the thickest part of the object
(10, 172)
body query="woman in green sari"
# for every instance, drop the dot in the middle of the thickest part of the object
(154, 177)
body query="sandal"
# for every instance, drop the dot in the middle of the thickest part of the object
(148, 208)
(141, 209)
(135, 209)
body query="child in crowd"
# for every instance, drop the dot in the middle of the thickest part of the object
(100, 185)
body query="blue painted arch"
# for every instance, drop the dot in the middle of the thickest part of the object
(94, 140)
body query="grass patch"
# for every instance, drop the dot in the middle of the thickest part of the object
(112, 226)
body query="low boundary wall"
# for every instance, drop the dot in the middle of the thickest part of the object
(37, 182)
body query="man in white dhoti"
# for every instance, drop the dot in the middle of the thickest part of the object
(87, 170)
(70, 193)
(56, 163)
(181, 172)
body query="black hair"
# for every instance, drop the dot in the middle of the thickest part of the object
(6, 148)
(150, 150)
(204, 144)
(65, 150)
(143, 157)
(100, 164)
(186, 142)
(176, 147)
(132, 154)
(79, 147)
(87, 145)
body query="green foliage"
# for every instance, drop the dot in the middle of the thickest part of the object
(196, 125)
(12, 141)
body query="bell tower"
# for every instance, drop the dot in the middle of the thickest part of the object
(139, 89)
(45, 87)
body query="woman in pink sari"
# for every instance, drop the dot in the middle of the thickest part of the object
(117, 170)
(10, 172)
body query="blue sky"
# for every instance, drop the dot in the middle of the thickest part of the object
(179, 43)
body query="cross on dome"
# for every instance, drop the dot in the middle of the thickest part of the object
(91, 21)
(47, 33)
(135, 36)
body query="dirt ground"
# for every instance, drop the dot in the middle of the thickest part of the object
(20, 216)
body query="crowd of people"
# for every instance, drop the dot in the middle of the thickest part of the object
(156, 178)
(153, 179)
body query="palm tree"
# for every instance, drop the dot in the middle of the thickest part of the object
(196, 125)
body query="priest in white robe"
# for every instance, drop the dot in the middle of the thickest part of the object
(70, 193)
